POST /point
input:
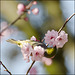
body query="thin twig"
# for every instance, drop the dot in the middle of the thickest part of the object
(27, 7)
(11, 24)
(30, 4)
(65, 23)
(30, 67)
(5, 68)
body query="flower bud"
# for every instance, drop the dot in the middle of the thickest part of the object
(21, 7)
(35, 11)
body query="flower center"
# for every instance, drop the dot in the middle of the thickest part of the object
(51, 37)
(37, 53)
(60, 39)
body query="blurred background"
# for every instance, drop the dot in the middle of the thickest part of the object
(52, 15)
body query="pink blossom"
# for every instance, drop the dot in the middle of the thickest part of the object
(33, 71)
(19, 12)
(33, 38)
(35, 2)
(21, 7)
(61, 39)
(26, 51)
(26, 18)
(50, 37)
(47, 61)
(35, 11)
(38, 53)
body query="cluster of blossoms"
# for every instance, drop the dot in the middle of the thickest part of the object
(21, 8)
(36, 53)
(52, 38)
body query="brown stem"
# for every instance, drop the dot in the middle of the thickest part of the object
(5, 68)
(30, 4)
(30, 67)
(27, 7)
(65, 23)
(11, 24)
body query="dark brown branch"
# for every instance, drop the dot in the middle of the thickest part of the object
(30, 67)
(27, 7)
(11, 24)
(5, 68)
(65, 23)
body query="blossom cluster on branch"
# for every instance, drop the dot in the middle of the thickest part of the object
(37, 52)
(54, 39)
(21, 8)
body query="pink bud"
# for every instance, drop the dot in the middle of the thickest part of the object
(21, 7)
(33, 38)
(35, 2)
(28, 12)
(26, 18)
(35, 11)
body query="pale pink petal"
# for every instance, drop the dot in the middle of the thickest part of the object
(38, 53)
(50, 37)
(61, 39)
(35, 11)
(21, 7)
(19, 12)
(47, 61)
(26, 51)
(33, 38)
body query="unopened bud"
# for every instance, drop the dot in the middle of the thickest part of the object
(35, 11)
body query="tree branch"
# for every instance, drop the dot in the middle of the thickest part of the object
(27, 7)
(5, 68)
(30, 67)
(65, 23)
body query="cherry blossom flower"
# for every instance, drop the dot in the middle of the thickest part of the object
(47, 61)
(21, 7)
(35, 11)
(26, 51)
(61, 39)
(38, 53)
(50, 37)
(33, 38)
